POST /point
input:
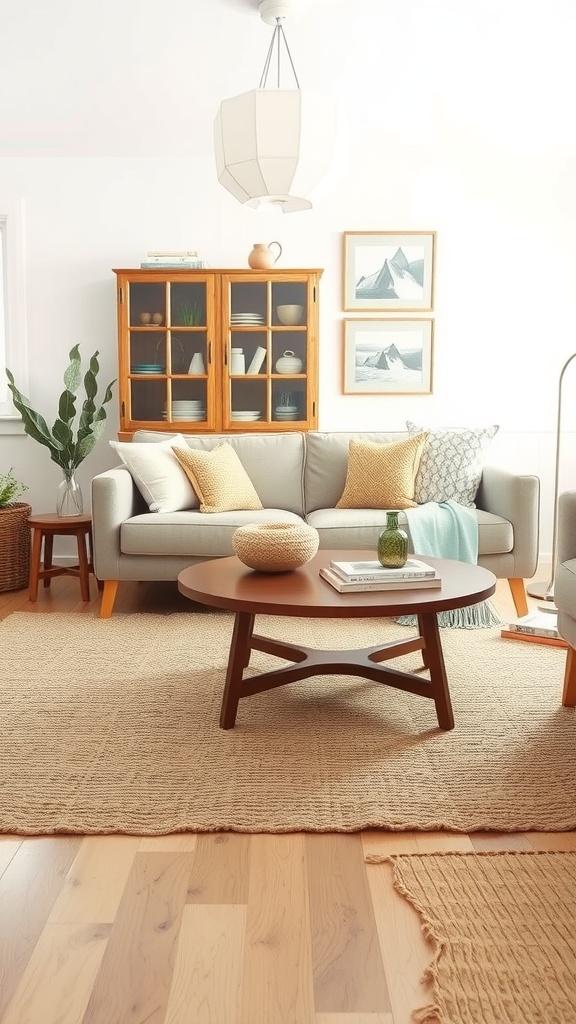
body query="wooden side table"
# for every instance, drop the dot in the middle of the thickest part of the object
(45, 528)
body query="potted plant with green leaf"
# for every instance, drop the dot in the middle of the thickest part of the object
(14, 533)
(68, 442)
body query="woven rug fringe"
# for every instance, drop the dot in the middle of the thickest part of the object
(427, 1015)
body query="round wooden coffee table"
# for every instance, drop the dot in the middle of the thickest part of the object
(228, 583)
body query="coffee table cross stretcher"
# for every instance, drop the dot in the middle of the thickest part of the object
(227, 583)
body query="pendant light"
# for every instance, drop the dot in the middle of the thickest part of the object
(272, 144)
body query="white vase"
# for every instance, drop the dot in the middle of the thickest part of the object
(197, 364)
(69, 498)
(237, 361)
(288, 363)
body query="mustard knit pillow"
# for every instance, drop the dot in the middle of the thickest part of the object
(219, 479)
(382, 475)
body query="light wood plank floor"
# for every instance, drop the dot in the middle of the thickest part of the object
(218, 928)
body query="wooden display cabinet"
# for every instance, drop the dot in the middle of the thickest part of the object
(211, 350)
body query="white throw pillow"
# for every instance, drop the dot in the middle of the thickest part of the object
(451, 463)
(157, 473)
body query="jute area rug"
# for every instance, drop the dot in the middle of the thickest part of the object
(502, 927)
(112, 726)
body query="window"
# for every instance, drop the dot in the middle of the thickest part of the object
(13, 346)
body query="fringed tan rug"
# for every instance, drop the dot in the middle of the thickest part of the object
(503, 929)
(112, 726)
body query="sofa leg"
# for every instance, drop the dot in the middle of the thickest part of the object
(569, 692)
(518, 591)
(108, 598)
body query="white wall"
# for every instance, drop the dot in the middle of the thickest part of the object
(454, 117)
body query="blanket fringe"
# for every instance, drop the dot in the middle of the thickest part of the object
(475, 616)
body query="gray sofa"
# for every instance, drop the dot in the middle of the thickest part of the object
(565, 589)
(297, 476)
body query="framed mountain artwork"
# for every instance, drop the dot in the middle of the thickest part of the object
(389, 271)
(388, 357)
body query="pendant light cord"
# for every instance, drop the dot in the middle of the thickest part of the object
(278, 37)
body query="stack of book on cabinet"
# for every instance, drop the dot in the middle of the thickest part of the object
(183, 259)
(351, 577)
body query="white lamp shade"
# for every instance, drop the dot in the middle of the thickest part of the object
(274, 145)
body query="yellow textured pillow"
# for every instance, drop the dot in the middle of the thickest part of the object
(382, 475)
(219, 479)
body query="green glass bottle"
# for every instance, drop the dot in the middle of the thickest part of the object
(392, 543)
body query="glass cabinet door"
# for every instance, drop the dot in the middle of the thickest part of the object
(169, 352)
(267, 338)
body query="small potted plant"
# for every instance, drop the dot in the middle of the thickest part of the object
(14, 533)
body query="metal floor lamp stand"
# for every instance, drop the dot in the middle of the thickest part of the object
(545, 591)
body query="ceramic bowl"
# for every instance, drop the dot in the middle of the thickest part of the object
(289, 315)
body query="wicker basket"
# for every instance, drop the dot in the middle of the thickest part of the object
(14, 546)
(275, 547)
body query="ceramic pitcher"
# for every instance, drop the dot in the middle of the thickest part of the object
(262, 256)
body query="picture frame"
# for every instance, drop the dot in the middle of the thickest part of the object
(389, 270)
(388, 357)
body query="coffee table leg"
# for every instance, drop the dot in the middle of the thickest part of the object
(237, 661)
(421, 631)
(435, 663)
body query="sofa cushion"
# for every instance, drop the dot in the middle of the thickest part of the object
(360, 528)
(219, 478)
(157, 474)
(274, 462)
(192, 534)
(381, 475)
(451, 463)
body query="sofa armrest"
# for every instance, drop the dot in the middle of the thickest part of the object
(566, 545)
(517, 499)
(115, 498)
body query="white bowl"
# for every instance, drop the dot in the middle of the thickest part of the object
(289, 315)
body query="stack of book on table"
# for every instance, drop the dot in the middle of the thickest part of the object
(350, 577)
(183, 259)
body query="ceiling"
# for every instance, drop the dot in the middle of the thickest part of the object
(142, 78)
(136, 78)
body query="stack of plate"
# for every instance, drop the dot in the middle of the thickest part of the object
(246, 319)
(187, 410)
(246, 417)
(285, 412)
(147, 368)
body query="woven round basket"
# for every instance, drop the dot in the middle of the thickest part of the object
(14, 546)
(275, 547)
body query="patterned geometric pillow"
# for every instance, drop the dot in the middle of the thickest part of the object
(451, 463)
(219, 478)
(381, 475)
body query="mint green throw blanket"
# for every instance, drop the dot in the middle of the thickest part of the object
(447, 529)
